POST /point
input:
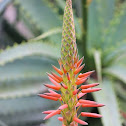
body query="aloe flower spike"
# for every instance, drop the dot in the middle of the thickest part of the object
(68, 79)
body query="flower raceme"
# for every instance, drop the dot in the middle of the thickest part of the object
(69, 79)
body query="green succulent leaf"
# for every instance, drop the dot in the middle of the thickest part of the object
(110, 112)
(122, 104)
(54, 120)
(3, 5)
(117, 71)
(24, 77)
(112, 54)
(47, 34)
(121, 91)
(94, 122)
(115, 33)
(2, 123)
(24, 111)
(39, 17)
(21, 89)
(97, 58)
(106, 96)
(100, 13)
(28, 49)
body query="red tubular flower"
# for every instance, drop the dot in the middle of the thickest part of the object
(80, 95)
(85, 74)
(79, 69)
(87, 114)
(53, 87)
(89, 85)
(91, 105)
(80, 121)
(80, 81)
(59, 78)
(80, 61)
(48, 97)
(68, 80)
(52, 114)
(63, 106)
(60, 119)
(57, 70)
(87, 101)
(48, 112)
(53, 77)
(53, 95)
(90, 90)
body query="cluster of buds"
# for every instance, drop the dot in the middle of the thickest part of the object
(69, 82)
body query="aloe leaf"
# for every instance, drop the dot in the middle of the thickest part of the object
(100, 13)
(94, 122)
(39, 22)
(28, 49)
(97, 58)
(3, 5)
(61, 4)
(110, 112)
(24, 77)
(121, 91)
(24, 111)
(54, 120)
(115, 33)
(22, 89)
(116, 70)
(47, 34)
(28, 67)
(113, 53)
(2, 123)
(122, 106)
(107, 97)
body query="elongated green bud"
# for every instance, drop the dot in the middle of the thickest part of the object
(68, 47)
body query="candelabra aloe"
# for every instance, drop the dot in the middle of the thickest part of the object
(67, 82)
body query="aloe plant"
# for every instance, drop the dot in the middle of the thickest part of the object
(70, 66)
(104, 43)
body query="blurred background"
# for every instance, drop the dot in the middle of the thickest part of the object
(30, 40)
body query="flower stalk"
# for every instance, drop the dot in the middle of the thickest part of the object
(69, 78)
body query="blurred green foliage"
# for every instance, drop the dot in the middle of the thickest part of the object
(30, 38)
